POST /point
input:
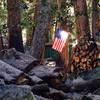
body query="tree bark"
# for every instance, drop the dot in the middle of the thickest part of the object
(14, 28)
(31, 31)
(95, 17)
(1, 42)
(82, 22)
(38, 42)
(64, 54)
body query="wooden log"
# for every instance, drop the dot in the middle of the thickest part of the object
(86, 50)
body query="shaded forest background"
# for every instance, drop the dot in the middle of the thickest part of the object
(28, 25)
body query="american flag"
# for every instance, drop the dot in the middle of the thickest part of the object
(60, 40)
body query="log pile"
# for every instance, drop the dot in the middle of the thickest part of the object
(44, 81)
(84, 55)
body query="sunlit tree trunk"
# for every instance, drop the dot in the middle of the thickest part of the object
(30, 32)
(59, 4)
(14, 28)
(38, 42)
(82, 22)
(95, 16)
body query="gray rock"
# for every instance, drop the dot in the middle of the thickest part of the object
(41, 98)
(16, 59)
(92, 97)
(14, 92)
(7, 72)
(97, 91)
(35, 79)
(43, 71)
(2, 82)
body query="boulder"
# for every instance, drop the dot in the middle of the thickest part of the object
(16, 59)
(43, 71)
(7, 72)
(14, 92)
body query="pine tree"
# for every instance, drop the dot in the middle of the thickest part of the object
(38, 42)
(82, 22)
(14, 27)
(95, 17)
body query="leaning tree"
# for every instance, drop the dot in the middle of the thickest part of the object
(39, 38)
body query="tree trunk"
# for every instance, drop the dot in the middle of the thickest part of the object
(82, 22)
(38, 42)
(95, 17)
(30, 32)
(14, 16)
(1, 42)
(64, 54)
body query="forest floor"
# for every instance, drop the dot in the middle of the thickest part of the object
(47, 81)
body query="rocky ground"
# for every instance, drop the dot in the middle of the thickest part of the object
(22, 78)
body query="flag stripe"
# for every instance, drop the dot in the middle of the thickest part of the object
(58, 44)
(60, 40)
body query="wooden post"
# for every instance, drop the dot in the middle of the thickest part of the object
(64, 55)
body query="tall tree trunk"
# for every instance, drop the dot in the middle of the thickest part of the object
(82, 22)
(64, 54)
(30, 32)
(59, 4)
(1, 42)
(38, 42)
(14, 16)
(95, 16)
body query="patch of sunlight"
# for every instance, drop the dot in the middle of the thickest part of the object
(24, 31)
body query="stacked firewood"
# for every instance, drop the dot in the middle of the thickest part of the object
(84, 55)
